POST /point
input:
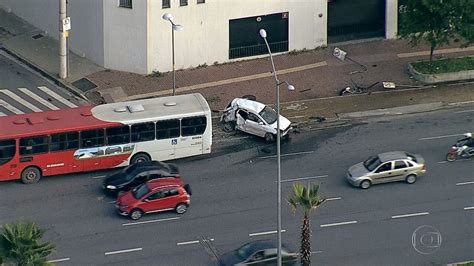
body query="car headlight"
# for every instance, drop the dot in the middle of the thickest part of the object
(111, 187)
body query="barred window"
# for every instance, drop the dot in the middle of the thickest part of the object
(165, 4)
(125, 3)
(183, 2)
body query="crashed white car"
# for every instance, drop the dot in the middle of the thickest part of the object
(255, 118)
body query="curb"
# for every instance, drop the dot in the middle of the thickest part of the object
(52, 78)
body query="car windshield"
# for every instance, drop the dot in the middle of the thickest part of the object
(372, 163)
(269, 115)
(140, 191)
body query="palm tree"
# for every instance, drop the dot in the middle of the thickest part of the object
(20, 244)
(306, 198)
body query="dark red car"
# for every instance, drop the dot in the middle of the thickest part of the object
(155, 196)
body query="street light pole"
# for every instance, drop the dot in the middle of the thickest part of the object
(263, 34)
(174, 27)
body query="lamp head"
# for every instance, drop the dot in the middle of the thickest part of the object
(167, 16)
(263, 33)
(291, 87)
(177, 27)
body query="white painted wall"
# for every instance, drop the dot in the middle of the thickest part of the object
(205, 38)
(391, 21)
(86, 38)
(125, 36)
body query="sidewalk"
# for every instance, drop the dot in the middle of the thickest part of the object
(316, 74)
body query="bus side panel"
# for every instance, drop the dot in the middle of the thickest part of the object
(54, 163)
(159, 150)
(9, 171)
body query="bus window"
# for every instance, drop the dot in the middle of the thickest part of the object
(191, 126)
(64, 141)
(92, 138)
(33, 145)
(117, 135)
(167, 129)
(143, 132)
(7, 150)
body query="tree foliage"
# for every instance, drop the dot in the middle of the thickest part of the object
(437, 22)
(20, 244)
(307, 199)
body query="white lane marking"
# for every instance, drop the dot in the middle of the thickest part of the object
(440, 137)
(2, 114)
(111, 202)
(443, 162)
(38, 98)
(410, 215)
(341, 223)
(152, 221)
(286, 154)
(465, 183)
(266, 233)
(335, 198)
(468, 208)
(459, 103)
(57, 96)
(100, 176)
(190, 242)
(122, 251)
(316, 252)
(21, 101)
(465, 111)
(58, 260)
(303, 178)
(11, 108)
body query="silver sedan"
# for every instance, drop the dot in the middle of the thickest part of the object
(387, 167)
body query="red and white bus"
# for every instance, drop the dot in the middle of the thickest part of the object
(104, 136)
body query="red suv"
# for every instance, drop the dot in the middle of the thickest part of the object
(155, 196)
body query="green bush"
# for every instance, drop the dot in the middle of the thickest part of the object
(445, 65)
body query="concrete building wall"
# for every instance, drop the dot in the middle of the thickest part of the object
(86, 36)
(391, 21)
(205, 38)
(125, 36)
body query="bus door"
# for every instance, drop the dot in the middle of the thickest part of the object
(191, 142)
(167, 136)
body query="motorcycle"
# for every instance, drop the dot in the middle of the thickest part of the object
(459, 150)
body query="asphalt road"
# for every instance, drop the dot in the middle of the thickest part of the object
(22, 90)
(234, 201)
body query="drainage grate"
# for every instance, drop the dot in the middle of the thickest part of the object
(84, 84)
(37, 36)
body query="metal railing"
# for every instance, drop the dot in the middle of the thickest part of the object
(246, 51)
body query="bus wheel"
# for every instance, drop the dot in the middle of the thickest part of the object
(30, 175)
(140, 158)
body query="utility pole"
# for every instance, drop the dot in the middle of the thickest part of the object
(64, 26)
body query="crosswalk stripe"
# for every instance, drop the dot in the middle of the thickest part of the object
(38, 98)
(57, 96)
(10, 107)
(20, 100)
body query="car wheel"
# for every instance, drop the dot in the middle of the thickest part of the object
(136, 214)
(269, 137)
(30, 175)
(139, 158)
(365, 184)
(181, 208)
(411, 179)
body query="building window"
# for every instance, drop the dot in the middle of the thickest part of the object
(183, 2)
(165, 4)
(201, 1)
(125, 3)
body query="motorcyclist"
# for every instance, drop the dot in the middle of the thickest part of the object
(468, 141)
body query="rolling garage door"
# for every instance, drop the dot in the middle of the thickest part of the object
(355, 19)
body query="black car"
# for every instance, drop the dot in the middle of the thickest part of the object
(262, 252)
(137, 174)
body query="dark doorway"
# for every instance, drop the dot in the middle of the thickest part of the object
(245, 40)
(355, 19)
